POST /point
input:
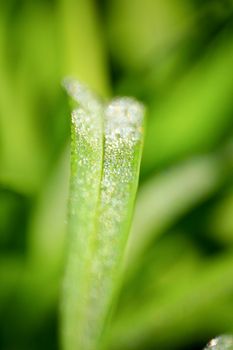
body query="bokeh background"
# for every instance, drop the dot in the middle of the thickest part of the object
(177, 57)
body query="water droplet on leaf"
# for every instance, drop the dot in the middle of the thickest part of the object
(224, 342)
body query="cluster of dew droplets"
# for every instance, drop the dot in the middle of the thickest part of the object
(224, 342)
(123, 119)
(85, 117)
(86, 122)
(82, 95)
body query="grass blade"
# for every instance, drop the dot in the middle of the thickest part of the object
(169, 195)
(86, 169)
(106, 153)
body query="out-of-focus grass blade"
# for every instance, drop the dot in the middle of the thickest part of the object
(196, 113)
(171, 261)
(46, 239)
(82, 49)
(167, 196)
(43, 41)
(21, 154)
(161, 24)
(220, 223)
(103, 186)
(161, 320)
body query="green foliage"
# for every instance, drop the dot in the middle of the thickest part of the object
(106, 151)
(172, 288)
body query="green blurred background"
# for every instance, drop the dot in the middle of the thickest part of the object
(177, 57)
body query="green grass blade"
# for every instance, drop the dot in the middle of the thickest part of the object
(106, 153)
(122, 154)
(86, 169)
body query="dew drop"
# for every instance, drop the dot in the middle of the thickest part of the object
(224, 342)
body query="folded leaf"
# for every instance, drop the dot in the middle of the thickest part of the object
(106, 153)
